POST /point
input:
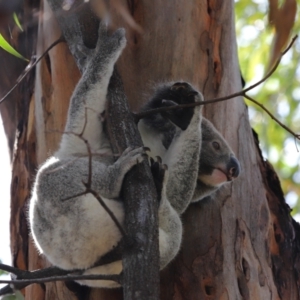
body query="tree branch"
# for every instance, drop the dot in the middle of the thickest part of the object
(144, 114)
(297, 136)
(22, 283)
(30, 66)
(67, 277)
(53, 272)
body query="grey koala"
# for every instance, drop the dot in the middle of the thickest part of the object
(75, 232)
(198, 157)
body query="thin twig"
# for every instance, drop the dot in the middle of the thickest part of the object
(144, 114)
(114, 277)
(114, 255)
(74, 196)
(89, 190)
(21, 274)
(274, 67)
(30, 66)
(111, 214)
(88, 184)
(13, 270)
(297, 136)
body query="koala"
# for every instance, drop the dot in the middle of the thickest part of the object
(201, 156)
(69, 227)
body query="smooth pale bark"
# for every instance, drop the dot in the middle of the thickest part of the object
(242, 243)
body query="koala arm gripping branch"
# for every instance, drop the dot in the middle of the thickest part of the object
(175, 135)
(183, 161)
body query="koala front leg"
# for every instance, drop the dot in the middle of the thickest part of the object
(182, 159)
(68, 177)
(170, 226)
(89, 98)
(111, 182)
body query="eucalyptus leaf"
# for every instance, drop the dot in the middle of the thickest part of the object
(16, 19)
(7, 47)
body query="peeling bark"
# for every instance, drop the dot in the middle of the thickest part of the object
(284, 243)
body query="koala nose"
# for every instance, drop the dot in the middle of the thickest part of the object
(233, 167)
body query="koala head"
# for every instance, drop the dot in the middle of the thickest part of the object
(217, 164)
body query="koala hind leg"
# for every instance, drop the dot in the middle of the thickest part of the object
(89, 97)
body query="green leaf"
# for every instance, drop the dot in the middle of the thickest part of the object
(16, 19)
(19, 295)
(1, 271)
(7, 47)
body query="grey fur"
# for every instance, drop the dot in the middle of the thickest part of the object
(196, 168)
(76, 233)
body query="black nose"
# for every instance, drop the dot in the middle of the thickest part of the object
(233, 167)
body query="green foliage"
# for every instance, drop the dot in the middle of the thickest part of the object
(17, 296)
(2, 272)
(280, 94)
(16, 19)
(7, 47)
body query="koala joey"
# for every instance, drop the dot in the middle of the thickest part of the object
(69, 226)
(196, 153)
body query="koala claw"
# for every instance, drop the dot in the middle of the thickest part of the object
(159, 160)
(147, 149)
(131, 157)
(159, 171)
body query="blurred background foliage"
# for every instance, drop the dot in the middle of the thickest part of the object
(1, 272)
(280, 93)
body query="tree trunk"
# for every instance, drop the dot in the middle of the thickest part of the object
(239, 244)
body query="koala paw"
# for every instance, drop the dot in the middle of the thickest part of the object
(181, 93)
(131, 157)
(159, 172)
(110, 45)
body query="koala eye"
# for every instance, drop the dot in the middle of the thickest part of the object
(216, 145)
